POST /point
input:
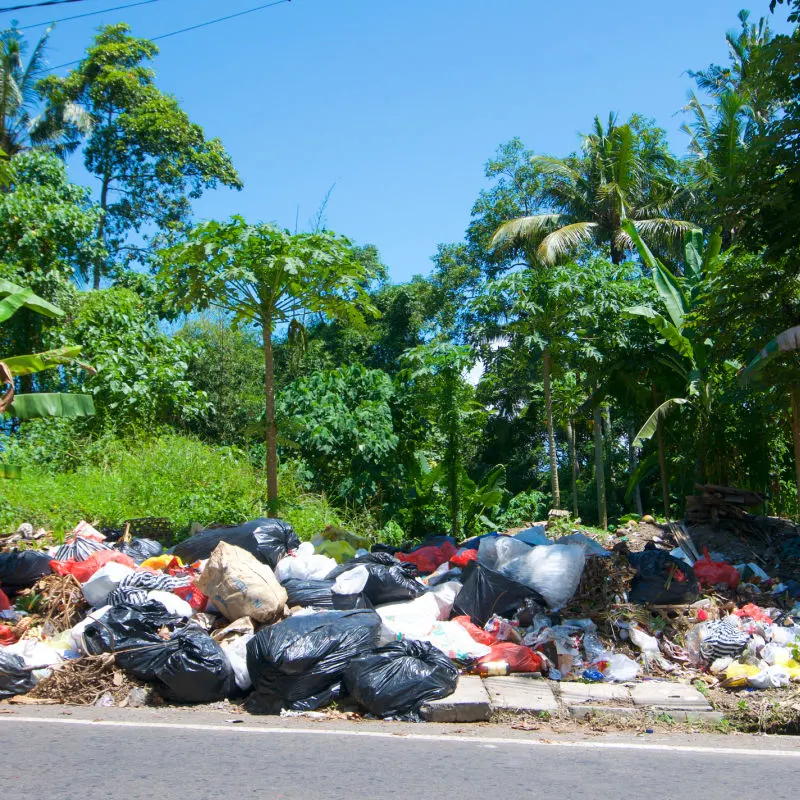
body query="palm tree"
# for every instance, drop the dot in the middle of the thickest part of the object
(20, 126)
(624, 173)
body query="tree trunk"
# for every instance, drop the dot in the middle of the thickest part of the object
(551, 433)
(662, 459)
(796, 436)
(453, 428)
(573, 460)
(599, 469)
(609, 451)
(269, 396)
(633, 463)
(97, 271)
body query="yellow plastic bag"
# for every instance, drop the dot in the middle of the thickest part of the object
(738, 673)
(341, 551)
(161, 562)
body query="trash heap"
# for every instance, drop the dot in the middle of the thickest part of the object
(251, 614)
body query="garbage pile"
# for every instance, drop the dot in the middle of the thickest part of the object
(249, 613)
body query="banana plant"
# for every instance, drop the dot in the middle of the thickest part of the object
(30, 406)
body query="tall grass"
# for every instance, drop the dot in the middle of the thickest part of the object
(170, 476)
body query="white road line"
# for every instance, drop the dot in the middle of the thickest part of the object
(412, 737)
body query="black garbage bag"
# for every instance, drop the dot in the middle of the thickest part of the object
(196, 670)
(397, 679)
(299, 662)
(269, 540)
(390, 581)
(15, 678)
(20, 569)
(486, 592)
(140, 549)
(133, 634)
(319, 594)
(662, 580)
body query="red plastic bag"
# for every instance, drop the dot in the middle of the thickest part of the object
(710, 573)
(83, 570)
(193, 596)
(478, 634)
(518, 657)
(7, 635)
(5, 603)
(463, 557)
(429, 559)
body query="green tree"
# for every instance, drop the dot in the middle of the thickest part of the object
(341, 419)
(142, 375)
(227, 364)
(47, 237)
(625, 172)
(150, 159)
(265, 276)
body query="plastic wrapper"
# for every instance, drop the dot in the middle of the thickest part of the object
(299, 663)
(621, 669)
(711, 573)
(15, 678)
(486, 592)
(398, 678)
(236, 652)
(553, 571)
(269, 540)
(389, 581)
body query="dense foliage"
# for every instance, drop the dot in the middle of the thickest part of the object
(582, 347)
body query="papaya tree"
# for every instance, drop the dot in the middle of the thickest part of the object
(266, 277)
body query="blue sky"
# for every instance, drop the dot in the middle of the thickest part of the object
(400, 103)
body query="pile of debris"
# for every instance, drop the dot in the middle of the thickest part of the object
(249, 613)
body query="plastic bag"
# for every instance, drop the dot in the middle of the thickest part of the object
(662, 580)
(487, 592)
(20, 569)
(269, 540)
(338, 551)
(106, 580)
(590, 546)
(83, 570)
(455, 642)
(302, 564)
(193, 596)
(534, 536)
(79, 549)
(463, 557)
(398, 678)
(478, 634)
(236, 653)
(239, 585)
(195, 669)
(773, 677)
(174, 604)
(711, 573)
(319, 594)
(15, 678)
(518, 657)
(299, 662)
(621, 669)
(76, 633)
(495, 552)
(427, 559)
(354, 581)
(553, 571)
(140, 549)
(389, 581)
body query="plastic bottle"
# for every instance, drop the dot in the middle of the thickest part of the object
(490, 669)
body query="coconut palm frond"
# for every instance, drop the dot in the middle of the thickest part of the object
(560, 242)
(525, 228)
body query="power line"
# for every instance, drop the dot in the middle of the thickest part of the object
(191, 27)
(38, 5)
(87, 14)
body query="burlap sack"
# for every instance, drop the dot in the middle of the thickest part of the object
(239, 585)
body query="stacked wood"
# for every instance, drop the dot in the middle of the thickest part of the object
(719, 503)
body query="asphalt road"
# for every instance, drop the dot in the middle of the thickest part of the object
(97, 756)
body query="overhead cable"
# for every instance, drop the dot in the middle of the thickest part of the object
(195, 27)
(87, 14)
